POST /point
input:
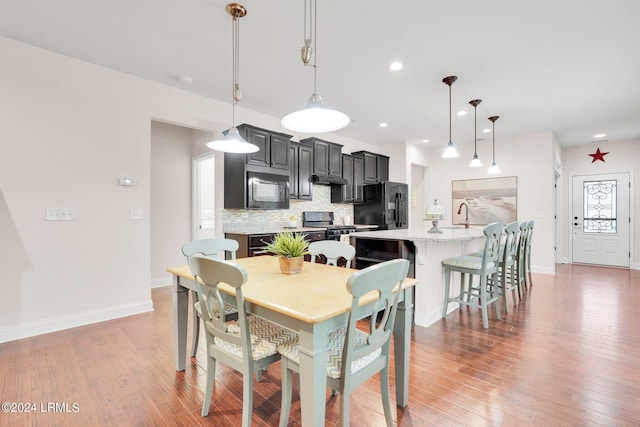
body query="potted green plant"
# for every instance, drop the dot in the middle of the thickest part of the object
(290, 248)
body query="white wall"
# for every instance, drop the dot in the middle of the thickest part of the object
(623, 157)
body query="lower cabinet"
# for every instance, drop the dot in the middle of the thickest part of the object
(255, 244)
(374, 251)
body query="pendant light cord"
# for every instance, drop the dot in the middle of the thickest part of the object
(235, 40)
(449, 113)
(493, 135)
(475, 130)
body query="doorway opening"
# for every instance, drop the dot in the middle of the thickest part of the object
(203, 200)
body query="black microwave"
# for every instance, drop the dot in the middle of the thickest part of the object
(267, 191)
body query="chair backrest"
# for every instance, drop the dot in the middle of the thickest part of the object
(529, 235)
(385, 279)
(210, 247)
(333, 250)
(510, 252)
(492, 243)
(208, 274)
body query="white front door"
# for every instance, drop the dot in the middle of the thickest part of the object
(600, 219)
(203, 197)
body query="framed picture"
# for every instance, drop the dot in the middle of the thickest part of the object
(488, 200)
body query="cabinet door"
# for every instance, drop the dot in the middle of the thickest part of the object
(370, 168)
(347, 173)
(382, 163)
(321, 158)
(358, 180)
(279, 152)
(293, 171)
(335, 160)
(305, 165)
(261, 139)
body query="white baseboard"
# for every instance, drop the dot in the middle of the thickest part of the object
(427, 319)
(543, 270)
(565, 261)
(26, 330)
(160, 283)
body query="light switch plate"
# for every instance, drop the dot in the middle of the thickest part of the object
(135, 213)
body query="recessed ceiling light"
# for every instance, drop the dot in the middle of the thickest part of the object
(462, 113)
(383, 125)
(600, 135)
(425, 141)
(395, 66)
(486, 130)
(185, 79)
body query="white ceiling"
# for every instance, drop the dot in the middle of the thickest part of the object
(570, 66)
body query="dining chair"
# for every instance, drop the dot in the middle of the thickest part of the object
(521, 257)
(207, 247)
(528, 282)
(507, 264)
(355, 355)
(486, 267)
(332, 250)
(248, 345)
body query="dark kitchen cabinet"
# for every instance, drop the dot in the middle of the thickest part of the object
(353, 172)
(274, 147)
(300, 168)
(376, 166)
(327, 157)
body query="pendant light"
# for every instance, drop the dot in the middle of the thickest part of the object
(315, 117)
(450, 152)
(494, 169)
(232, 142)
(475, 162)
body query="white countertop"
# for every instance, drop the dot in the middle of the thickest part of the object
(449, 234)
(274, 228)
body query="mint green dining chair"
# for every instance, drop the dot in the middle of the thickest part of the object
(207, 247)
(248, 345)
(354, 355)
(333, 250)
(485, 267)
(528, 281)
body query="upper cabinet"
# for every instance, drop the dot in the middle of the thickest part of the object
(274, 147)
(376, 166)
(353, 172)
(327, 157)
(300, 167)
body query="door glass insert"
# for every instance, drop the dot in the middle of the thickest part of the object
(600, 207)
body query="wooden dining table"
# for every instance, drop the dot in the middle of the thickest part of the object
(313, 303)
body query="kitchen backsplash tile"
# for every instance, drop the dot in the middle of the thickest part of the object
(321, 202)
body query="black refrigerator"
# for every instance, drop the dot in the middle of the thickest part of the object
(385, 205)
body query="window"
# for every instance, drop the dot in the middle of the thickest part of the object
(600, 207)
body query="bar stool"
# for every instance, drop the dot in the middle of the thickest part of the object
(527, 259)
(486, 267)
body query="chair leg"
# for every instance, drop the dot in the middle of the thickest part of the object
(287, 386)
(211, 377)
(503, 291)
(497, 303)
(247, 398)
(345, 402)
(447, 281)
(386, 398)
(195, 321)
(483, 302)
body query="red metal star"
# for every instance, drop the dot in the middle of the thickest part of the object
(598, 155)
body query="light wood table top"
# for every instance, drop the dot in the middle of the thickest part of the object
(315, 294)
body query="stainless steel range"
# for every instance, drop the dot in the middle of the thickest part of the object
(325, 220)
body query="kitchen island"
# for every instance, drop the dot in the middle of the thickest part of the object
(430, 250)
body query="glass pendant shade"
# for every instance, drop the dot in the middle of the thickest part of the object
(232, 142)
(450, 152)
(315, 118)
(494, 169)
(475, 162)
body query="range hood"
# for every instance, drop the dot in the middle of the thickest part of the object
(327, 180)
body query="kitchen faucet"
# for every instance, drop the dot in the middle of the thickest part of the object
(466, 217)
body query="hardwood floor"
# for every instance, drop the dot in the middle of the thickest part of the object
(567, 355)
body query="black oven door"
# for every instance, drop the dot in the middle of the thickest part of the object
(267, 191)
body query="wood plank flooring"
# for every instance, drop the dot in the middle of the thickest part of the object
(567, 355)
